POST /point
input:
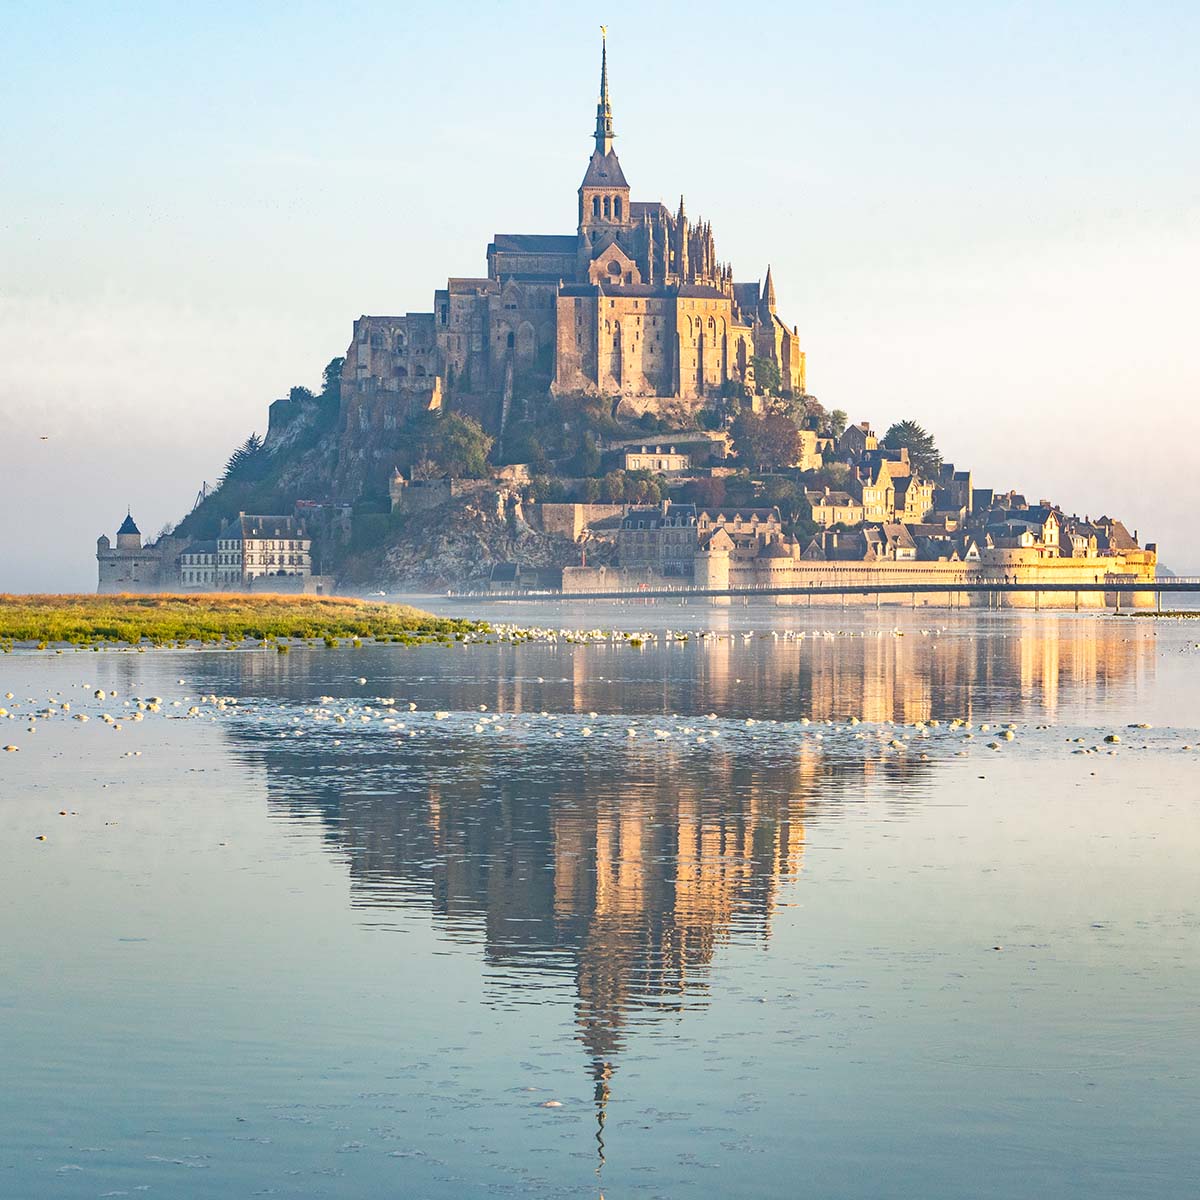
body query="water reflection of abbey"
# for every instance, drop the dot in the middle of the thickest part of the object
(622, 867)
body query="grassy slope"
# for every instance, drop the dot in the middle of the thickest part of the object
(171, 618)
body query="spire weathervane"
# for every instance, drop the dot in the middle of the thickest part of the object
(604, 125)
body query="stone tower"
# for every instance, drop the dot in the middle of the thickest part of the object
(604, 195)
(129, 536)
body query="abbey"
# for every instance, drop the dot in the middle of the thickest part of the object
(634, 305)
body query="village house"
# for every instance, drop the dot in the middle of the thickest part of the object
(662, 460)
(253, 547)
(857, 441)
(660, 538)
(834, 508)
(198, 567)
(664, 538)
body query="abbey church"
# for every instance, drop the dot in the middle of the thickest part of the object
(634, 305)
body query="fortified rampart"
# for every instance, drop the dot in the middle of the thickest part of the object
(718, 570)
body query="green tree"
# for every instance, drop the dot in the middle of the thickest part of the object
(455, 444)
(922, 450)
(705, 492)
(837, 422)
(765, 442)
(591, 491)
(331, 378)
(245, 462)
(587, 461)
(766, 374)
(612, 487)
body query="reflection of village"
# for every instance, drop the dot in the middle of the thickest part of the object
(620, 866)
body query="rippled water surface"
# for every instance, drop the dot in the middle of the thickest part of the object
(787, 909)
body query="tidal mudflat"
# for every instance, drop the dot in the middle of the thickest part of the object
(895, 904)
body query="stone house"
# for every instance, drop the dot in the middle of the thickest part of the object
(876, 490)
(834, 508)
(250, 548)
(913, 499)
(665, 538)
(856, 441)
(750, 528)
(661, 538)
(198, 567)
(663, 460)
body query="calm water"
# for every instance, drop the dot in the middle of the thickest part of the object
(748, 949)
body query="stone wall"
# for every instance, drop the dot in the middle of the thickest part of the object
(717, 570)
(571, 520)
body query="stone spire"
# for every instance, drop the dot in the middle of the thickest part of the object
(768, 297)
(604, 124)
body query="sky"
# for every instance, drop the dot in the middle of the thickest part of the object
(984, 217)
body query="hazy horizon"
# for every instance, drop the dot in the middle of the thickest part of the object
(985, 220)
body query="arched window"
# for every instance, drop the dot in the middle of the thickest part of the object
(617, 208)
(511, 341)
(607, 207)
(595, 206)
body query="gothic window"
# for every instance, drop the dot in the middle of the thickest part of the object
(617, 208)
(511, 341)
(595, 206)
(607, 207)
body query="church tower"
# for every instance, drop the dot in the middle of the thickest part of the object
(604, 194)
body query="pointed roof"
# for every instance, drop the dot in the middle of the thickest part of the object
(127, 525)
(769, 291)
(604, 171)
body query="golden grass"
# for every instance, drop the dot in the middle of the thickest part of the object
(163, 619)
